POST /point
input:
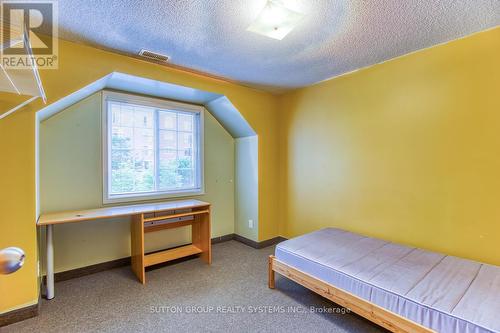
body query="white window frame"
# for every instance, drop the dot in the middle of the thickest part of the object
(106, 152)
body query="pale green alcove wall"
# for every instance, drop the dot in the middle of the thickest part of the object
(70, 178)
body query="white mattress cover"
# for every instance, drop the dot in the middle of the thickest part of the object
(444, 293)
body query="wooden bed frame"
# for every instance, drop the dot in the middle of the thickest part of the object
(380, 316)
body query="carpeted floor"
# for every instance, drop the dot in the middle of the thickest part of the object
(230, 295)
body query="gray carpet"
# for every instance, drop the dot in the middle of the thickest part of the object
(231, 294)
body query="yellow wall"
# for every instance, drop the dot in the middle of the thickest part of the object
(17, 207)
(79, 66)
(408, 150)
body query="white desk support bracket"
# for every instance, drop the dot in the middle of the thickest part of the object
(50, 261)
(3, 115)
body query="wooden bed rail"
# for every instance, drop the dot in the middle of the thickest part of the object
(376, 314)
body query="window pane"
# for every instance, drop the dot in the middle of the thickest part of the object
(144, 138)
(122, 137)
(168, 140)
(185, 122)
(186, 172)
(186, 153)
(132, 149)
(126, 115)
(185, 140)
(115, 113)
(175, 158)
(143, 170)
(186, 178)
(167, 176)
(143, 117)
(167, 119)
(166, 157)
(122, 171)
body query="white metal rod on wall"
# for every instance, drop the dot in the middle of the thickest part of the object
(3, 115)
(36, 75)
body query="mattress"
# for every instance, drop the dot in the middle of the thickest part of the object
(443, 293)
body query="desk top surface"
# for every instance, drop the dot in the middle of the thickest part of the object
(117, 211)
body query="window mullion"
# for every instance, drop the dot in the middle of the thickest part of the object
(157, 149)
(177, 137)
(194, 150)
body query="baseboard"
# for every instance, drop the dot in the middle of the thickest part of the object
(87, 270)
(258, 245)
(221, 239)
(271, 241)
(14, 316)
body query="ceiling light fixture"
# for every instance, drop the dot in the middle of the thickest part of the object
(275, 20)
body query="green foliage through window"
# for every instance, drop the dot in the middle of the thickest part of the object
(151, 150)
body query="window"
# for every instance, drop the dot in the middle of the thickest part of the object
(151, 148)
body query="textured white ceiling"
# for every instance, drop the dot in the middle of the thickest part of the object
(335, 37)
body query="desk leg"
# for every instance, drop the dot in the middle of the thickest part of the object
(201, 236)
(137, 247)
(50, 261)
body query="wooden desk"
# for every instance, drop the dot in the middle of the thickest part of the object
(145, 218)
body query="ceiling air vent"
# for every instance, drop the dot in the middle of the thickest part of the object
(153, 56)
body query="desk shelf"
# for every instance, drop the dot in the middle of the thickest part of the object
(172, 254)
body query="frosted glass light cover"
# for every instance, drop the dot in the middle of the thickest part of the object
(275, 21)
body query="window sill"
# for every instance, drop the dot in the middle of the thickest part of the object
(151, 197)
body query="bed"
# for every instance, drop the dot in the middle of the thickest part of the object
(400, 288)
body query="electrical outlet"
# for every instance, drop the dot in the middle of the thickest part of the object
(250, 224)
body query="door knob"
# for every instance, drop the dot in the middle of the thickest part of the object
(11, 259)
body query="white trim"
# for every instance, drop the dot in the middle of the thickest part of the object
(160, 104)
(34, 67)
(3, 115)
(10, 79)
